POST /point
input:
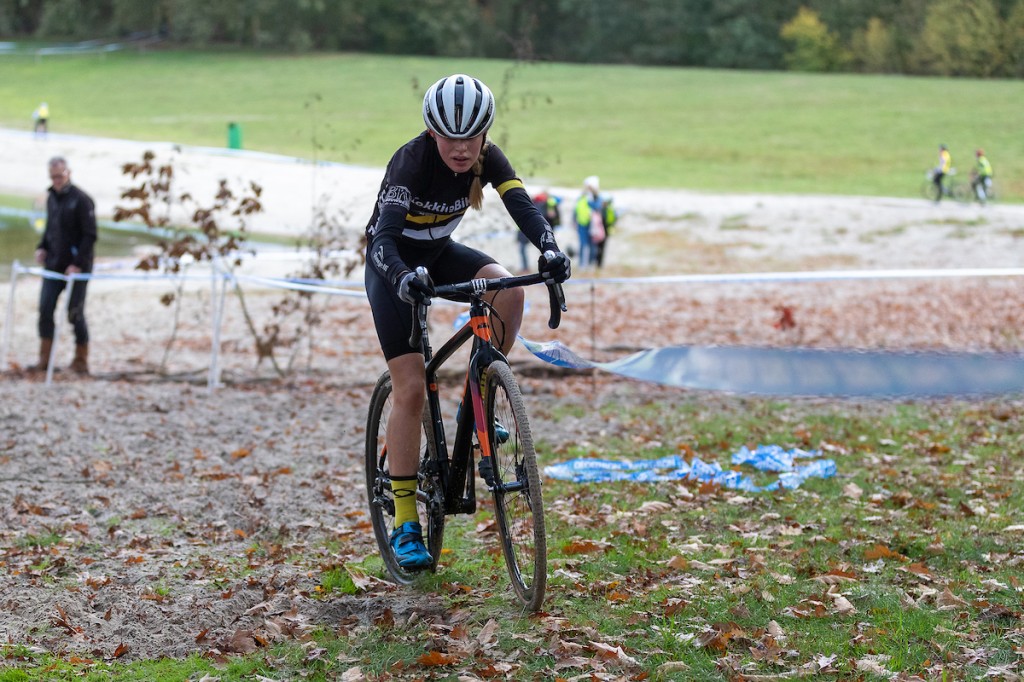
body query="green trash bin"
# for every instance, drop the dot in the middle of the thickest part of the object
(234, 136)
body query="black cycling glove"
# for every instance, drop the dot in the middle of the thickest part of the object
(413, 290)
(555, 265)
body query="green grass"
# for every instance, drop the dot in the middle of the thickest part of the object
(634, 126)
(13, 201)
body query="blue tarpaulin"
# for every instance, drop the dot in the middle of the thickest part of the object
(765, 458)
(808, 371)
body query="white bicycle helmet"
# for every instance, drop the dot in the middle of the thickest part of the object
(458, 107)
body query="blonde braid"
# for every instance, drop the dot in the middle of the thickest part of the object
(476, 189)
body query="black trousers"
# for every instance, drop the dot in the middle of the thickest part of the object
(48, 295)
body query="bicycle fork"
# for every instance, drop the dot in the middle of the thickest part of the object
(482, 356)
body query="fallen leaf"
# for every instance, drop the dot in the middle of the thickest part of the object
(488, 633)
(654, 506)
(842, 605)
(436, 658)
(241, 642)
(354, 674)
(612, 653)
(582, 546)
(881, 552)
(947, 601)
(679, 563)
(872, 663)
(918, 569)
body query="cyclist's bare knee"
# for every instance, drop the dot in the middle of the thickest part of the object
(408, 382)
(508, 304)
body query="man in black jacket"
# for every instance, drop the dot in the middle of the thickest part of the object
(67, 248)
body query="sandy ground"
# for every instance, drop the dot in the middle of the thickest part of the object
(143, 508)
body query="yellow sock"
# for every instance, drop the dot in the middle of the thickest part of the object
(404, 489)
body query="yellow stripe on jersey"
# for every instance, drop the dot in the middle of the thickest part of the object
(431, 218)
(511, 184)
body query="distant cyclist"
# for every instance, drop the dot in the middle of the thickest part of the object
(429, 185)
(940, 172)
(981, 176)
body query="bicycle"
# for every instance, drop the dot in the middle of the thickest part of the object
(951, 187)
(503, 449)
(982, 190)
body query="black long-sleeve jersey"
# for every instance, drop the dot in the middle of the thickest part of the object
(70, 232)
(421, 200)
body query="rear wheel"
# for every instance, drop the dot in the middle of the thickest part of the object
(986, 191)
(382, 499)
(516, 486)
(929, 190)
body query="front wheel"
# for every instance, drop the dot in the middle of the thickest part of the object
(516, 486)
(381, 498)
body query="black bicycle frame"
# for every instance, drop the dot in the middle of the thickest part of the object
(456, 471)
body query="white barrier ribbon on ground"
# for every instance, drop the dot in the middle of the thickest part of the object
(808, 371)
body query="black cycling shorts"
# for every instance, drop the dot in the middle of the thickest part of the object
(447, 263)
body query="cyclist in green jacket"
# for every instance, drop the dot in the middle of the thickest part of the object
(981, 176)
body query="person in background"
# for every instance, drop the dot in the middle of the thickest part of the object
(588, 203)
(428, 186)
(548, 205)
(65, 247)
(40, 119)
(981, 176)
(609, 216)
(940, 172)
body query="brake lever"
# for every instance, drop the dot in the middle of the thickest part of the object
(556, 297)
(419, 312)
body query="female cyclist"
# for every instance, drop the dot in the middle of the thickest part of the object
(428, 186)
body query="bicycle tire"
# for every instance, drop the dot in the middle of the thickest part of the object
(962, 192)
(378, 489)
(518, 499)
(929, 190)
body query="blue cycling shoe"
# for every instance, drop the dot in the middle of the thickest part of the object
(407, 544)
(501, 434)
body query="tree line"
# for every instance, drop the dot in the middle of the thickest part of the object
(977, 38)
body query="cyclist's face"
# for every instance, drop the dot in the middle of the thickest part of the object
(459, 155)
